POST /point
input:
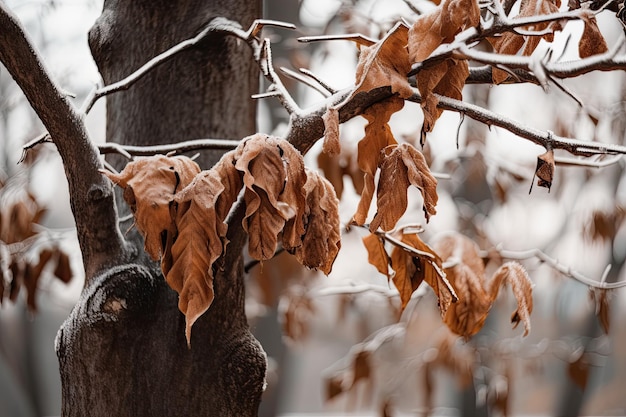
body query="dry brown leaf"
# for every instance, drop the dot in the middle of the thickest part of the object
(411, 269)
(386, 63)
(296, 315)
(149, 186)
(404, 166)
(378, 134)
(441, 26)
(331, 144)
(322, 239)
(600, 297)
(376, 253)
(273, 173)
(545, 169)
(446, 78)
(516, 276)
(591, 42)
(197, 245)
(467, 316)
(369, 186)
(476, 297)
(511, 43)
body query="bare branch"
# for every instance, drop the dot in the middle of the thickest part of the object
(306, 81)
(563, 269)
(91, 194)
(177, 148)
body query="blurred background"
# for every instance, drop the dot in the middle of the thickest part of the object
(340, 344)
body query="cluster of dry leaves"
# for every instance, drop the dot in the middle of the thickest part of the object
(25, 252)
(455, 270)
(181, 212)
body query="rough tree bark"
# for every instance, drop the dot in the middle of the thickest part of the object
(123, 351)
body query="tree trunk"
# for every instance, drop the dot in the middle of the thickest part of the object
(123, 351)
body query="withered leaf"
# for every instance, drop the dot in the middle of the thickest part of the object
(441, 26)
(378, 134)
(413, 268)
(545, 169)
(322, 239)
(376, 253)
(404, 166)
(386, 63)
(17, 268)
(197, 246)
(516, 276)
(446, 78)
(296, 315)
(467, 276)
(591, 42)
(149, 186)
(367, 194)
(273, 173)
(467, 316)
(510, 43)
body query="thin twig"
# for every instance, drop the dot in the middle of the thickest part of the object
(306, 81)
(558, 266)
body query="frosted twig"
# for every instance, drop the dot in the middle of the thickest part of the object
(306, 81)
(178, 148)
(558, 266)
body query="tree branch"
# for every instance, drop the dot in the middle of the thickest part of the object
(91, 194)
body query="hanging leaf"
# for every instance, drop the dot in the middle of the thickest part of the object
(591, 42)
(198, 243)
(446, 78)
(467, 276)
(403, 167)
(510, 43)
(376, 253)
(386, 63)
(545, 169)
(322, 239)
(412, 268)
(149, 186)
(441, 26)
(515, 275)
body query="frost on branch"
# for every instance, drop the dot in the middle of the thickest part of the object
(182, 211)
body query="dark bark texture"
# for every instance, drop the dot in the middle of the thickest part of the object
(123, 352)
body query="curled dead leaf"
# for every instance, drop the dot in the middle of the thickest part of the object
(476, 296)
(545, 169)
(423, 264)
(149, 186)
(376, 253)
(403, 167)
